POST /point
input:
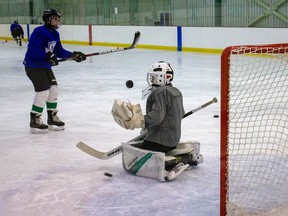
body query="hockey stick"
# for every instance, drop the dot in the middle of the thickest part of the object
(24, 40)
(107, 155)
(132, 46)
(214, 100)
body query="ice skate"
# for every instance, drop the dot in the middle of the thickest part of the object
(36, 124)
(177, 170)
(187, 153)
(191, 158)
(54, 122)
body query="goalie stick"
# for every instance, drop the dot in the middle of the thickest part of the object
(132, 46)
(107, 155)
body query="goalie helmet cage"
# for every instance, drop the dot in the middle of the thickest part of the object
(254, 129)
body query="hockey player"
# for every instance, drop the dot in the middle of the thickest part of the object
(162, 122)
(43, 50)
(17, 32)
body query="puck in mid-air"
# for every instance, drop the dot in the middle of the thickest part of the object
(108, 174)
(216, 116)
(129, 84)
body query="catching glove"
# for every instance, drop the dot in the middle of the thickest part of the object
(78, 56)
(127, 115)
(52, 58)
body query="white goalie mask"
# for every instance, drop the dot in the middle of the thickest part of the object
(160, 74)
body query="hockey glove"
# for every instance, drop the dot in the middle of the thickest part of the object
(78, 56)
(52, 58)
(127, 115)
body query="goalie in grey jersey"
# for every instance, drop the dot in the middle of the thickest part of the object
(164, 113)
(164, 110)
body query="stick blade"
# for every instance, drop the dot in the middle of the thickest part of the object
(98, 154)
(93, 152)
(137, 34)
(136, 39)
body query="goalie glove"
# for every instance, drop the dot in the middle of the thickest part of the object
(127, 115)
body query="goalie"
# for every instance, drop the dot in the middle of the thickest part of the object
(162, 123)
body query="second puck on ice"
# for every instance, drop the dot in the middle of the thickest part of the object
(129, 84)
(216, 116)
(108, 174)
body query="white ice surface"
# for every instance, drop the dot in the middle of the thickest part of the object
(48, 175)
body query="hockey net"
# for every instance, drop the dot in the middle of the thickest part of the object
(254, 129)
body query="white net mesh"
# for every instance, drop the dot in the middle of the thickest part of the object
(258, 129)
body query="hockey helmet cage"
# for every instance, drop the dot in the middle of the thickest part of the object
(160, 74)
(48, 13)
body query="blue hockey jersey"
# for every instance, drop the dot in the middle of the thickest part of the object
(16, 27)
(43, 40)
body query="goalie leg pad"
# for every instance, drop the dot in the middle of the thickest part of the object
(150, 164)
(177, 151)
(187, 152)
(143, 163)
(189, 144)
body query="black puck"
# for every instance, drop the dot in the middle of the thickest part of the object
(108, 174)
(129, 84)
(216, 116)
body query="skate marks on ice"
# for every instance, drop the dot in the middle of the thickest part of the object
(57, 181)
(55, 192)
(47, 175)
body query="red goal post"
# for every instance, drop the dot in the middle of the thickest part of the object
(254, 130)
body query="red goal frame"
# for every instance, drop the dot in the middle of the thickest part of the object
(224, 120)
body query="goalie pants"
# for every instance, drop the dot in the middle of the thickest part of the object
(152, 146)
